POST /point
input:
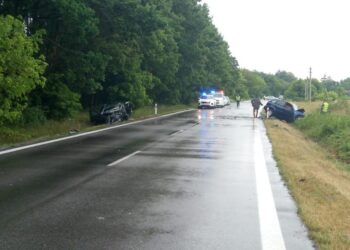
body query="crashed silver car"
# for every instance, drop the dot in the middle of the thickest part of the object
(109, 114)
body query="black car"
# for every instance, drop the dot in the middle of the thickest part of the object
(283, 110)
(110, 113)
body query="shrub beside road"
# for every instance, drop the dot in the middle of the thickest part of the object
(332, 130)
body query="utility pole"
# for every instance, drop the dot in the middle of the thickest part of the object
(306, 88)
(310, 83)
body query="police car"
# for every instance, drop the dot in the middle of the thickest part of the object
(219, 99)
(206, 101)
(227, 100)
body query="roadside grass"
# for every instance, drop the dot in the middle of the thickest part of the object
(309, 107)
(313, 157)
(10, 136)
(49, 129)
(332, 130)
(318, 182)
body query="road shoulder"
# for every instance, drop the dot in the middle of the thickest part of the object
(320, 188)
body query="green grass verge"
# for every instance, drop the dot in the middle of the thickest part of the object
(331, 130)
(10, 136)
(318, 174)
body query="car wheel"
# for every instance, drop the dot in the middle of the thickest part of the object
(270, 112)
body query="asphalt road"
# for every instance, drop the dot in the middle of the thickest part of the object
(203, 179)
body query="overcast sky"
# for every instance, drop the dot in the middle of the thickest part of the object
(291, 35)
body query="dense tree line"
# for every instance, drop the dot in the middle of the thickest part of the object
(254, 83)
(61, 56)
(86, 52)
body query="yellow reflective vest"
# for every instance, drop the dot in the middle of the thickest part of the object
(325, 107)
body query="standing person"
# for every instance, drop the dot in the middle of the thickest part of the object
(324, 107)
(256, 103)
(238, 100)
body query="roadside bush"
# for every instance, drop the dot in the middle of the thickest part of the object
(33, 116)
(341, 143)
(11, 135)
(328, 95)
(342, 106)
(331, 130)
(62, 102)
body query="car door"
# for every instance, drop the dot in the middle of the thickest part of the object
(283, 111)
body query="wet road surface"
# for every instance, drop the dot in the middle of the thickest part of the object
(203, 179)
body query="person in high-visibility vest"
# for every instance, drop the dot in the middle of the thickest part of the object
(324, 107)
(238, 100)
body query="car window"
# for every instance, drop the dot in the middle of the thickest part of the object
(288, 106)
(280, 103)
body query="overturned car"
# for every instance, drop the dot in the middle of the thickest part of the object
(283, 110)
(110, 113)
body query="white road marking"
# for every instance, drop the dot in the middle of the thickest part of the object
(177, 132)
(270, 230)
(86, 133)
(123, 159)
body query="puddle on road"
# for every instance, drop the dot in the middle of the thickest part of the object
(235, 117)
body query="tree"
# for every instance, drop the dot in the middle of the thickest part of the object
(75, 68)
(21, 70)
(255, 83)
(205, 60)
(105, 51)
(275, 85)
(285, 76)
(296, 90)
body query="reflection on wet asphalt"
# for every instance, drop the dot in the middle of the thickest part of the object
(182, 182)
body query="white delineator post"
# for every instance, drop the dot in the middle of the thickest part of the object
(156, 109)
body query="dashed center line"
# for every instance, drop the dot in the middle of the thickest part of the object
(122, 159)
(176, 132)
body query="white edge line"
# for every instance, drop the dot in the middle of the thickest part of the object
(87, 133)
(270, 229)
(122, 159)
